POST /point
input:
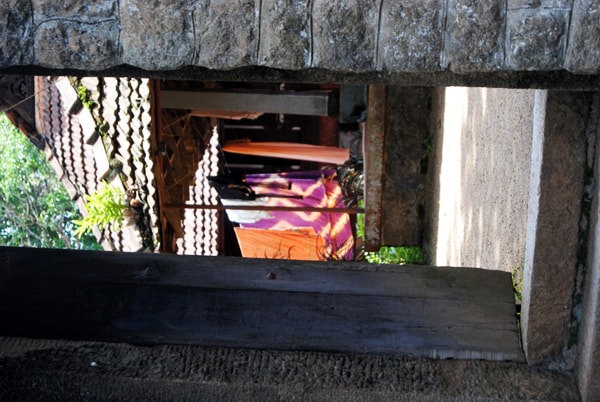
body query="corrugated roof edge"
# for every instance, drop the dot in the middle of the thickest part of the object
(135, 233)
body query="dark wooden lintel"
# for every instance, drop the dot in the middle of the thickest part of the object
(273, 304)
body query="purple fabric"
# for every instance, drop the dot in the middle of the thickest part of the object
(317, 190)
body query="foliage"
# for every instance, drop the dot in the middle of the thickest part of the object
(517, 279)
(35, 209)
(105, 208)
(389, 255)
(396, 255)
(85, 96)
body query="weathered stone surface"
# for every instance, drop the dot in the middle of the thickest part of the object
(345, 34)
(80, 10)
(226, 33)
(387, 41)
(411, 35)
(69, 44)
(536, 38)
(583, 54)
(474, 35)
(16, 42)
(285, 40)
(521, 4)
(558, 165)
(157, 34)
(76, 33)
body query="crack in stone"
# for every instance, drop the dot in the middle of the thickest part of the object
(119, 44)
(379, 17)
(312, 35)
(195, 51)
(568, 34)
(76, 21)
(32, 25)
(258, 29)
(443, 58)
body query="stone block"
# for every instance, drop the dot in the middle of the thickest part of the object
(558, 164)
(91, 11)
(157, 34)
(69, 44)
(536, 38)
(474, 36)
(16, 41)
(285, 40)
(411, 37)
(583, 53)
(345, 34)
(226, 33)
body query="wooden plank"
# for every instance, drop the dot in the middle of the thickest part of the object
(448, 283)
(311, 103)
(263, 208)
(226, 114)
(149, 298)
(374, 164)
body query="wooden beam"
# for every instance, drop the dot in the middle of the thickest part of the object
(273, 304)
(373, 141)
(403, 181)
(312, 103)
(265, 208)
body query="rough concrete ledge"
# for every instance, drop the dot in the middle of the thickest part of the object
(343, 35)
(562, 80)
(32, 370)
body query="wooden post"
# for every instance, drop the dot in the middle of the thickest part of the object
(373, 141)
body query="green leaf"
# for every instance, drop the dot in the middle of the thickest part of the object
(105, 209)
(35, 209)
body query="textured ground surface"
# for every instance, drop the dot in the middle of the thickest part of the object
(42, 370)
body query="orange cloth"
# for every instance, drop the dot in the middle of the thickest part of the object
(291, 150)
(292, 244)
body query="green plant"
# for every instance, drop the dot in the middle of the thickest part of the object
(388, 255)
(428, 144)
(105, 209)
(85, 96)
(396, 255)
(517, 279)
(35, 208)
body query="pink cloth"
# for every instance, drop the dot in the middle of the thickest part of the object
(317, 190)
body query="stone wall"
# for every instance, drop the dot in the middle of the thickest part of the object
(351, 36)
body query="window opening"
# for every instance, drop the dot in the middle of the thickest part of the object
(298, 170)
